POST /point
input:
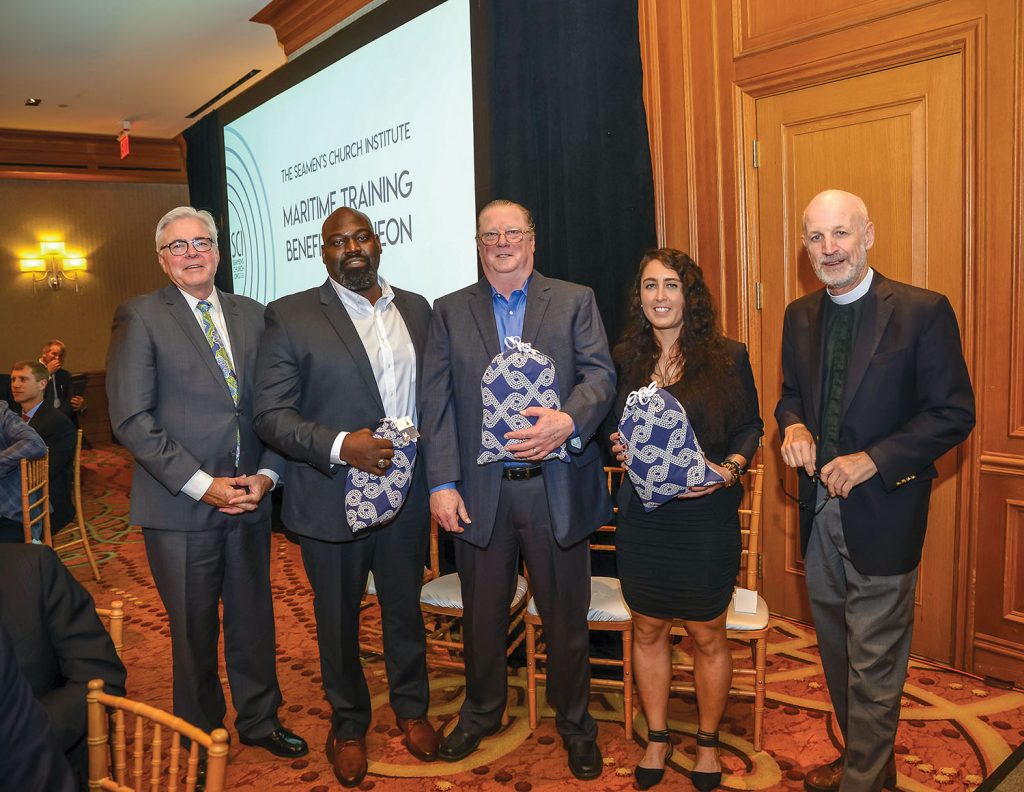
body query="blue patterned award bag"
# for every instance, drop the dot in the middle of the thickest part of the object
(663, 457)
(374, 500)
(515, 379)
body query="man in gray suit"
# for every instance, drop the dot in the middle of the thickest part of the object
(180, 385)
(334, 361)
(542, 510)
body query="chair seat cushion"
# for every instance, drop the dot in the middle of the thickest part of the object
(747, 621)
(446, 592)
(606, 602)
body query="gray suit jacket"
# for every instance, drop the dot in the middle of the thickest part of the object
(171, 408)
(314, 380)
(563, 322)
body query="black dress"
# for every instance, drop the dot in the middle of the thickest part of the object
(680, 561)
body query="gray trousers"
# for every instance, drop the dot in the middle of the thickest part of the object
(864, 625)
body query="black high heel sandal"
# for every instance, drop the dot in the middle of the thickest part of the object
(705, 782)
(646, 777)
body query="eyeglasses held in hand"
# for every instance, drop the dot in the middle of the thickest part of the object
(180, 246)
(812, 506)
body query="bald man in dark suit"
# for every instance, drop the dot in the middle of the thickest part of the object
(875, 389)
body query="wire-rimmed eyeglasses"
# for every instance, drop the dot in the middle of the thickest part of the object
(512, 236)
(812, 506)
(179, 247)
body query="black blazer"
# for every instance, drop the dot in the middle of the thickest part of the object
(60, 386)
(31, 760)
(908, 400)
(60, 437)
(314, 380)
(58, 638)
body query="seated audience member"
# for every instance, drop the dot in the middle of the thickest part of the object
(59, 641)
(31, 760)
(18, 441)
(58, 391)
(29, 380)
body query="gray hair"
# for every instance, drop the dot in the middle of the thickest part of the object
(182, 212)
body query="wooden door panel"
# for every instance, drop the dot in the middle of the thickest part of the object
(894, 137)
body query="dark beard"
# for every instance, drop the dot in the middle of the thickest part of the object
(359, 281)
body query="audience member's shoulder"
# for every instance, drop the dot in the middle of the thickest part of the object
(27, 556)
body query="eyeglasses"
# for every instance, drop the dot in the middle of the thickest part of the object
(512, 235)
(812, 507)
(179, 247)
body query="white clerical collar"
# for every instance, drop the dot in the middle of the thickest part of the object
(355, 302)
(856, 294)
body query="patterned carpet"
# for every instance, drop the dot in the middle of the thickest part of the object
(954, 729)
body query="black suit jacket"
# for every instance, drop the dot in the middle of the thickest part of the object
(908, 400)
(314, 380)
(58, 638)
(59, 386)
(31, 760)
(60, 437)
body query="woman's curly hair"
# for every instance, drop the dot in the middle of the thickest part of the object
(707, 374)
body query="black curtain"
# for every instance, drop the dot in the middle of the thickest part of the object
(568, 138)
(204, 160)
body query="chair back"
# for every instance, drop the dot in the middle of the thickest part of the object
(613, 478)
(79, 521)
(108, 747)
(752, 559)
(35, 497)
(114, 622)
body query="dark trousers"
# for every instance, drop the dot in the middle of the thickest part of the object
(337, 572)
(193, 571)
(864, 625)
(560, 578)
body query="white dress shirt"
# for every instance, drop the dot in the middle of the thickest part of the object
(200, 482)
(389, 347)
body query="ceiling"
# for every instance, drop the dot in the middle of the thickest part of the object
(146, 61)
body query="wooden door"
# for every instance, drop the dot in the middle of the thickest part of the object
(894, 137)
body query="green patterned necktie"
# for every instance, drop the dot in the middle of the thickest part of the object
(220, 354)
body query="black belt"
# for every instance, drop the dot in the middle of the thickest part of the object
(522, 473)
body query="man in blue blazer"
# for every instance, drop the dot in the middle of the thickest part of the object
(875, 389)
(180, 372)
(542, 510)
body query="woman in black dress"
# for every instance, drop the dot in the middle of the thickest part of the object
(680, 561)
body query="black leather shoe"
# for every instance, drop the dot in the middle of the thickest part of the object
(279, 742)
(584, 758)
(459, 744)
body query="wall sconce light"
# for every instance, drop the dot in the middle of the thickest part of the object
(53, 267)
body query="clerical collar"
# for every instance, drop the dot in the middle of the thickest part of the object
(856, 294)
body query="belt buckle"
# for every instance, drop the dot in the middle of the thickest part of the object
(521, 473)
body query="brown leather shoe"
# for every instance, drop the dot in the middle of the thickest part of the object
(420, 738)
(348, 760)
(827, 777)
